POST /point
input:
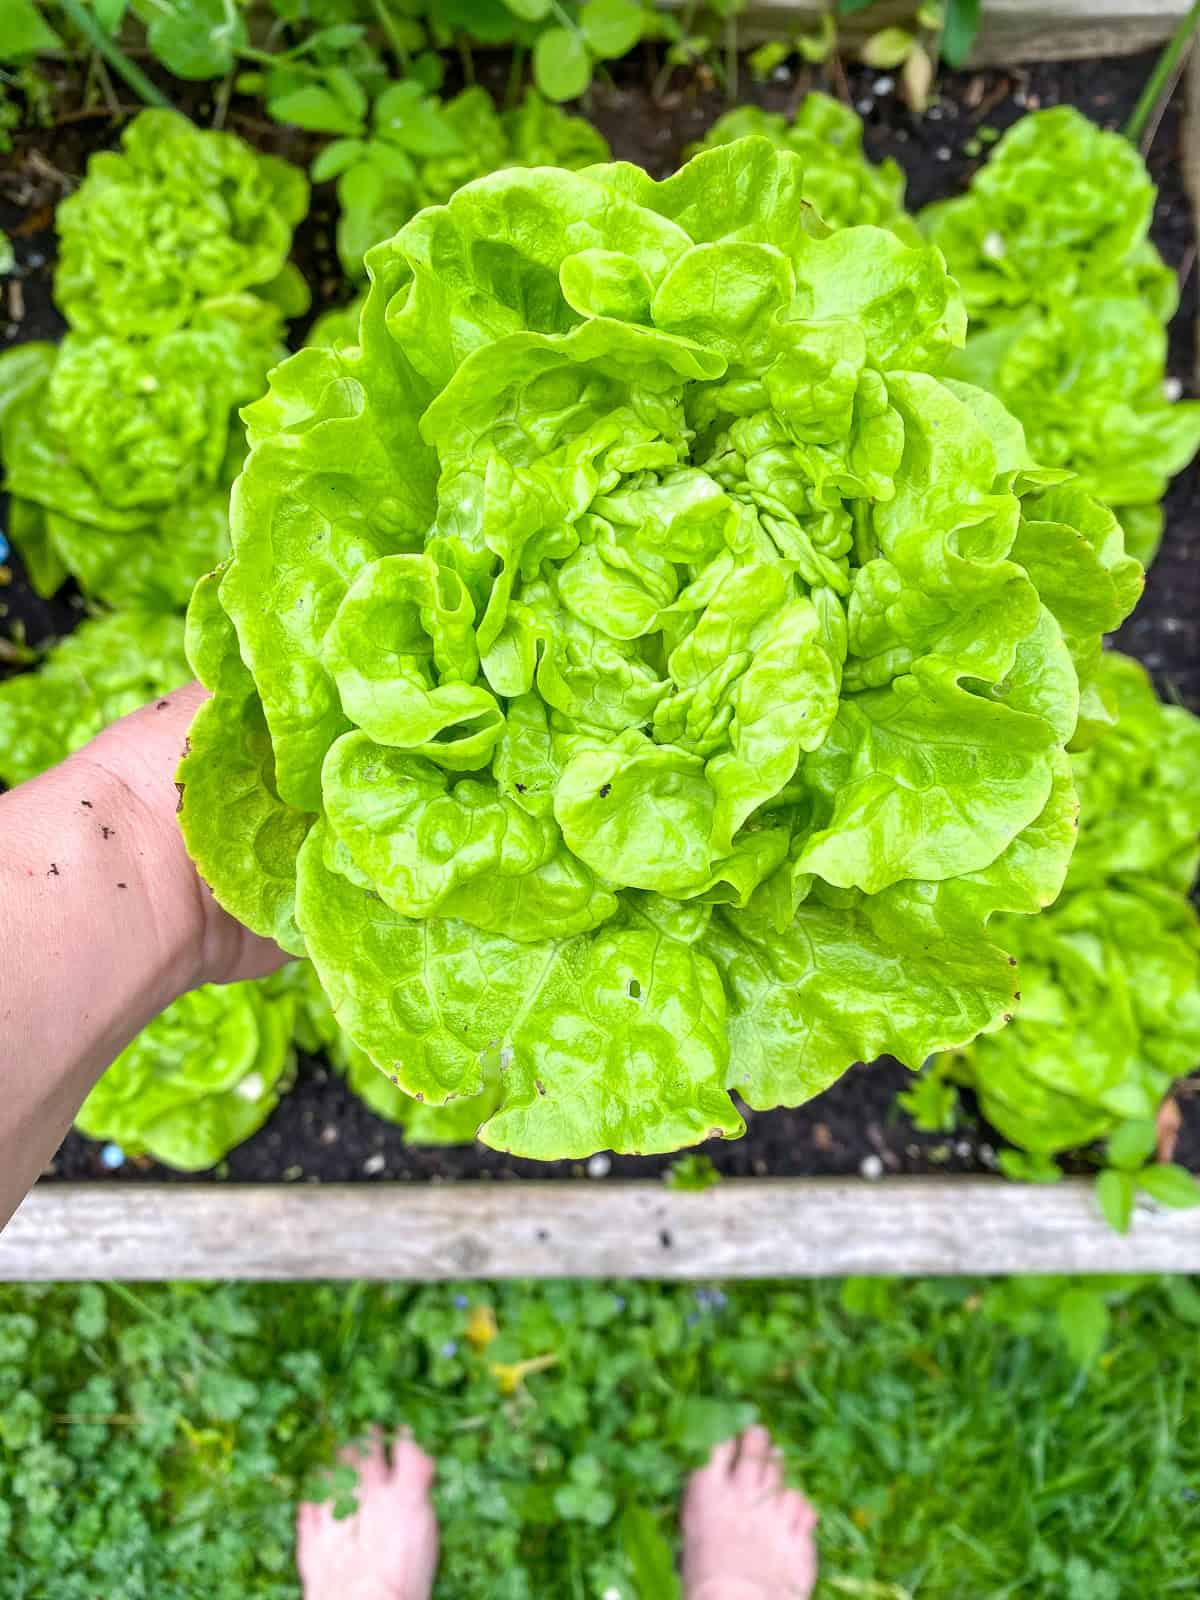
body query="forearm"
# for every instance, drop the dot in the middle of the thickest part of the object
(102, 924)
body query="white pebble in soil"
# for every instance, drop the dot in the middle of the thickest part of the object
(374, 1165)
(884, 85)
(599, 1166)
(871, 1168)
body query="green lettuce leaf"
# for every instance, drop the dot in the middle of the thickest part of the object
(178, 216)
(123, 452)
(107, 667)
(656, 641)
(422, 149)
(844, 187)
(1060, 209)
(230, 764)
(317, 1029)
(203, 1077)
(1109, 1010)
(1087, 381)
(1068, 302)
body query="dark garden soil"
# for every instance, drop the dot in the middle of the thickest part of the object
(320, 1131)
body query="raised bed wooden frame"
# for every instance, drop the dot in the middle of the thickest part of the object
(1009, 30)
(742, 1228)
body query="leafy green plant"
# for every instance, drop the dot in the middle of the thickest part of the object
(932, 1103)
(1068, 302)
(177, 217)
(633, 647)
(119, 454)
(107, 667)
(317, 1030)
(26, 100)
(1060, 208)
(1087, 380)
(692, 1174)
(938, 29)
(200, 1079)
(1076, 1311)
(420, 149)
(846, 189)
(565, 41)
(1110, 975)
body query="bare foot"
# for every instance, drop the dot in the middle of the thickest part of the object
(746, 1537)
(388, 1549)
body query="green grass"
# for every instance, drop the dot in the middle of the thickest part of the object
(153, 1439)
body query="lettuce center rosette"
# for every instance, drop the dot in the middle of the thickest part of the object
(639, 677)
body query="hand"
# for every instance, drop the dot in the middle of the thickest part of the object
(137, 758)
(105, 923)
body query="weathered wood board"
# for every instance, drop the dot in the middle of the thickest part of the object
(747, 1228)
(1010, 30)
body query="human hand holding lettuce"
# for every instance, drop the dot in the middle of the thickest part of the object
(206, 1073)
(106, 924)
(640, 676)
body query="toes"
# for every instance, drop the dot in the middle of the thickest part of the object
(368, 1457)
(721, 1461)
(411, 1466)
(800, 1515)
(710, 1479)
(757, 1466)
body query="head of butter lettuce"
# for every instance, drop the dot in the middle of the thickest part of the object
(119, 453)
(178, 216)
(639, 678)
(1110, 976)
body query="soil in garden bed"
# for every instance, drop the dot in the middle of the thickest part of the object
(320, 1131)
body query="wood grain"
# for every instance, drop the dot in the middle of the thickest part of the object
(1011, 30)
(746, 1228)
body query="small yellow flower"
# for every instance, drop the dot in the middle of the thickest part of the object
(481, 1326)
(510, 1375)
